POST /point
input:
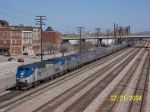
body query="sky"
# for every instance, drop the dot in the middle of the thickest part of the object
(66, 15)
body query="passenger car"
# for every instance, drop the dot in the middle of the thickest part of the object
(10, 59)
(25, 53)
(39, 54)
(20, 60)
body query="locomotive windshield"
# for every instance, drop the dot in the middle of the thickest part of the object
(24, 72)
(23, 69)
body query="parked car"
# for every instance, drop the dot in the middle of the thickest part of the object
(25, 53)
(11, 59)
(39, 54)
(20, 60)
(47, 52)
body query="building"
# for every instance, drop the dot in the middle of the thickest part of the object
(4, 23)
(30, 38)
(10, 41)
(119, 31)
(51, 39)
(27, 42)
(36, 39)
(19, 39)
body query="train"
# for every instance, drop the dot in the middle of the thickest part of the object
(30, 75)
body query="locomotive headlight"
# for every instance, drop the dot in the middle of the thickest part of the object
(26, 81)
(21, 75)
(17, 79)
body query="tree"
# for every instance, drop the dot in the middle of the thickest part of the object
(49, 29)
(63, 49)
(85, 46)
(49, 46)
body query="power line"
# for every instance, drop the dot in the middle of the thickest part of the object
(12, 17)
(8, 12)
(40, 21)
(15, 10)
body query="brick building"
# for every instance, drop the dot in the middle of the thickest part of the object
(51, 37)
(19, 39)
(30, 38)
(10, 41)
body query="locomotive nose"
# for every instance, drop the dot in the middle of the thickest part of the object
(21, 75)
(17, 79)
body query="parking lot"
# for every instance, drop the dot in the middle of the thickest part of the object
(3, 58)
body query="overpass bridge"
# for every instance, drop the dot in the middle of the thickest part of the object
(118, 39)
(106, 37)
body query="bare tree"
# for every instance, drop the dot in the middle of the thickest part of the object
(85, 46)
(63, 49)
(49, 47)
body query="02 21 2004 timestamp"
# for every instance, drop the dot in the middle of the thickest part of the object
(125, 98)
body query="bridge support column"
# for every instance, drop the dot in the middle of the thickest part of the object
(100, 41)
(65, 41)
(82, 40)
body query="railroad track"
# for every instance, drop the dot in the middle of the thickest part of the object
(55, 103)
(116, 95)
(111, 100)
(73, 73)
(138, 89)
(15, 93)
(84, 101)
(119, 101)
(141, 89)
(72, 91)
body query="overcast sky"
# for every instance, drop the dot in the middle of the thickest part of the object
(66, 15)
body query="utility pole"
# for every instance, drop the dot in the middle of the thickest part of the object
(80, 30)
(115, 32)
(40, 22)
(97, 33)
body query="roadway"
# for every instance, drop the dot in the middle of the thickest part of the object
(2, 58)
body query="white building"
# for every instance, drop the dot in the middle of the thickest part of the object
(27, 41)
